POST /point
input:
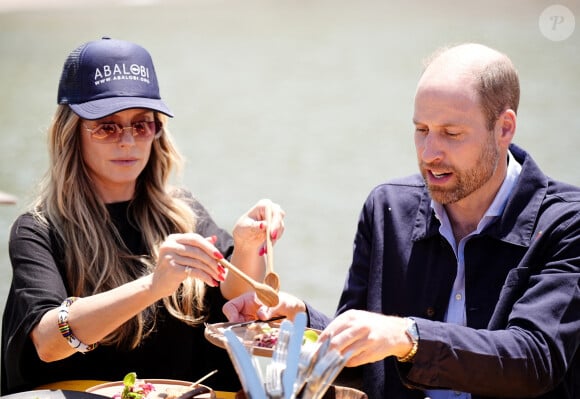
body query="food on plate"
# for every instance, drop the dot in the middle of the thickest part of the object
(133, 388)
(265, 335)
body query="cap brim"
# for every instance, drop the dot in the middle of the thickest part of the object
(100, 108)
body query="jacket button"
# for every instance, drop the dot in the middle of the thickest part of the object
(430, 311)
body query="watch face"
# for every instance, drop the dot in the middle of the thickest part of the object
(413, 331)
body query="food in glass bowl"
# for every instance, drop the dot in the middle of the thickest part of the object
(259, 336)
(266, 336)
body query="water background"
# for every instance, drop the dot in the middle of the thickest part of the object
(305, 102)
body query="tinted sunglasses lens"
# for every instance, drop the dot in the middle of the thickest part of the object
(112, 132)
(106, 132)
(143, 129)
(147, 128)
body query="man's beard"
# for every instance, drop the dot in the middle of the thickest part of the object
(468, 181)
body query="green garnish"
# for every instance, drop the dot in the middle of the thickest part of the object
(128, 382)
(310, 336)
(130, 379)
(130, 391)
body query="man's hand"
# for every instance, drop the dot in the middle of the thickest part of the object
(370, 336)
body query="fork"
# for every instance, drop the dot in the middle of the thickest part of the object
(273, 380)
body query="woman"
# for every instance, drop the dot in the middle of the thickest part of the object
(113, 271)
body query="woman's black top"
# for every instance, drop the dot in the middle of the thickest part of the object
(173, 351)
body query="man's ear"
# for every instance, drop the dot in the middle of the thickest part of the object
(506, 126)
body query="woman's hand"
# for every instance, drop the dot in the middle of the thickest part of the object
(186, 255)
(180, 256)
(247, 307)
(250, 229)
(250, 244)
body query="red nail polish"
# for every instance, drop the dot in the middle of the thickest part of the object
(218, 255)
(262, 251)
(274, 234)
(222, 277)
(261, 225)
(221, 269)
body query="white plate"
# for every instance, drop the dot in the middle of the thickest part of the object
(162, 387)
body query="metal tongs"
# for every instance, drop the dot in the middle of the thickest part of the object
(324, 373)
(309, 356)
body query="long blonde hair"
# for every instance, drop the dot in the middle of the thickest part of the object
(95, 257)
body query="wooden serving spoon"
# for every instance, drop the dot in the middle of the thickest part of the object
(265, 293)
(272, 279)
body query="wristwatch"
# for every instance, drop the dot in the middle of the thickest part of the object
(413, 333)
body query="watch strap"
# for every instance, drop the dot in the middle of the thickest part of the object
(413, 333)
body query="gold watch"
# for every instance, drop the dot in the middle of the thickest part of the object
(413, 334)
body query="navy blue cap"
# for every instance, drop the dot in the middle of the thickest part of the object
(106, 76)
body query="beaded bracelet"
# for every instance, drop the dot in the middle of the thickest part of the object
(66, 331)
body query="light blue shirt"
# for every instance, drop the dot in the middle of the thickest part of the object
(456, 308)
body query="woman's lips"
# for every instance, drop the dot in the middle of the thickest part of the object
(125, 162)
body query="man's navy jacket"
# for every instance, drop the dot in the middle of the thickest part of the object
(522, 291)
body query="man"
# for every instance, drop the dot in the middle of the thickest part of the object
(465, 280)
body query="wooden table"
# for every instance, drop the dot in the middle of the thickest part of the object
(83, 385)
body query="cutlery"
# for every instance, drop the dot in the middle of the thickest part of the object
(245, 323)
(294, 345)
(244, 366)
(336, 365)
(273, 382)
(309, 356)
(205, 377)
(272, 279)
(280, 350)
(324, 372)
(274, 370)
(265, 293)
(194, 392)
